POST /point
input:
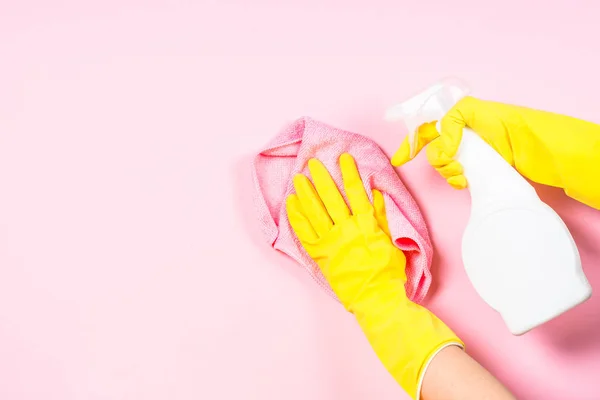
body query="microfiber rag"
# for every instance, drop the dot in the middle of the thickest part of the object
(288, 154)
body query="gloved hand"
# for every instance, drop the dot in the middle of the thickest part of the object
(547, 148)
(353, 249)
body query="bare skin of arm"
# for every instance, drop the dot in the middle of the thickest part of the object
(454, 375)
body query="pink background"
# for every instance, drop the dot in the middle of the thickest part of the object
(131, 266)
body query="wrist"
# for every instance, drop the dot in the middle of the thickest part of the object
(457, 345)
(404, 335)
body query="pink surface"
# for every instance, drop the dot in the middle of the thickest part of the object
(288, 154)
(131, 263)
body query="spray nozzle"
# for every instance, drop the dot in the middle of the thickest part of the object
(428, 106)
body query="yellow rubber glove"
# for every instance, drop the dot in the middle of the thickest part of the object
(353, 249)
(547, 148)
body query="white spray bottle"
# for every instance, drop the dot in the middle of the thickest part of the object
(517, 252)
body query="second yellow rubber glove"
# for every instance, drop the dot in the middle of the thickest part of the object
(548, 148)
(353, 249)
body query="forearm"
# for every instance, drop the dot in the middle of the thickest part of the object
(421, 352)
(454, 375)
(560, 151)
(404, 335)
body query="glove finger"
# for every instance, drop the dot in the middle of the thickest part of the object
(300, 224)
(328, 191)
(402, 155)
(451, 131)
(449, 168)
(453, 168)
(380, 214)
(458, 182)
(312, 206)
(436, 154)
(424, 135)
(355, 190)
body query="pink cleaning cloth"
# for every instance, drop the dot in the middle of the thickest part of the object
(288, 155)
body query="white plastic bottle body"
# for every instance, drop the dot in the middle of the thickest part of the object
(490, 177)
(518, 253)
